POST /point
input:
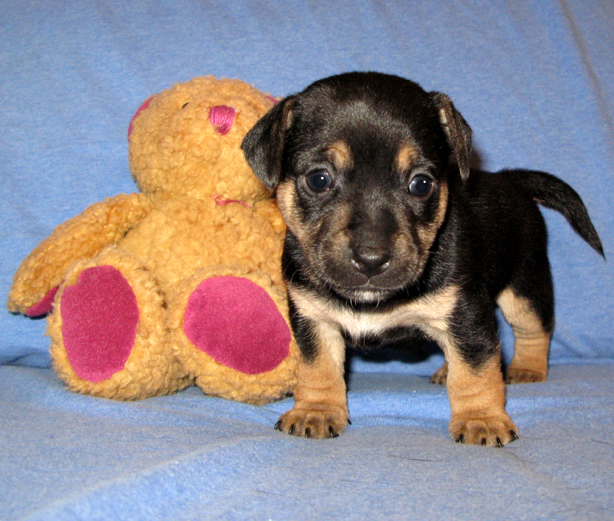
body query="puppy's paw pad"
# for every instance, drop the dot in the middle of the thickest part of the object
(495, 431)
(313, 423)
(523, 376)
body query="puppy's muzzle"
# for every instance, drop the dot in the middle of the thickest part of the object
(372, 233)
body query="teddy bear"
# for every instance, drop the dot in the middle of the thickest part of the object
(180, 283)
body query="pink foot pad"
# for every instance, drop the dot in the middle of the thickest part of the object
(236, 322)
(99, 320)
(45, 306)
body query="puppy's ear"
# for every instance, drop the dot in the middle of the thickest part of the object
(457, 130)
(264, 144)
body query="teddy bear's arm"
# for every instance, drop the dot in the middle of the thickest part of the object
(82, 237)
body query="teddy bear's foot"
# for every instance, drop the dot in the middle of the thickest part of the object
(236, 322)
(99, 322)
(108, 334)
(232, 336)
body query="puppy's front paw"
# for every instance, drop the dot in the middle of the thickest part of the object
(515, 375)
(313, 423)
(495, 431)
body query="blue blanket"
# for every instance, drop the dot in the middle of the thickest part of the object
(535, 80)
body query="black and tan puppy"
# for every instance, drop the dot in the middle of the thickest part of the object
(385, 239)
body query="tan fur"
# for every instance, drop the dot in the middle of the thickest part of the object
(340, 155)
(406, 156)
(286, 199)
(531, 341)
(477, 401)
(337, 240)
(320, 400)
(428, 233)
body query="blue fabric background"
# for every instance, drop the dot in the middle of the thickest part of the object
(535, 79)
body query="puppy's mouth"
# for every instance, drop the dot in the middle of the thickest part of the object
(364, 295)
(348, 283)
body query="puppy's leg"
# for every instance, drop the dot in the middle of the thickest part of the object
(531, 338)
(320, 399)
(475, 382)
(477, 402)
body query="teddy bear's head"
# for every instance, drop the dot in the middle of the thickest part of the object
(186, 140)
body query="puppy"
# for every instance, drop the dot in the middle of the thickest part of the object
(386, 239)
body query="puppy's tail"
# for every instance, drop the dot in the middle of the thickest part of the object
(551, 192)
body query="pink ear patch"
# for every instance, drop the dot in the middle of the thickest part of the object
(144, 105)
(45, 306)
(99, 321)
(222, 117)
(237, 323)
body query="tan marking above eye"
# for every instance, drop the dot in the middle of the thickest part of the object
(340, 155)
(406, 156)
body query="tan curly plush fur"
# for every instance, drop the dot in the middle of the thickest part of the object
(201, 213)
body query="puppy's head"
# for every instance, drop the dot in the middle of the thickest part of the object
(360, 163)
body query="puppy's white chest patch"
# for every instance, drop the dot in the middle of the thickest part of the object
(429, 313)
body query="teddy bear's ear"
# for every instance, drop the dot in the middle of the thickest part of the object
(143, 106)
(264, 144)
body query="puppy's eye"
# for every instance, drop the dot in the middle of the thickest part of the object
(319, 181)
(421, 185)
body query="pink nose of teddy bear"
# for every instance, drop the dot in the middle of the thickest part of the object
(222, 117)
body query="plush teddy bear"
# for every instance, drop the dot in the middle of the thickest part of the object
(180, 283)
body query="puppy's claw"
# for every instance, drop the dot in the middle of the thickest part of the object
(495, 431)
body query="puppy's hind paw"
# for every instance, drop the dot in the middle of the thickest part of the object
(523, 376)
(440, 377)
(311, 423)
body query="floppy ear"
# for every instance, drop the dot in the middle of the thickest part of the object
(264, 144)
(457, 130)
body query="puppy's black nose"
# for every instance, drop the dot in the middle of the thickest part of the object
(370, 261)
